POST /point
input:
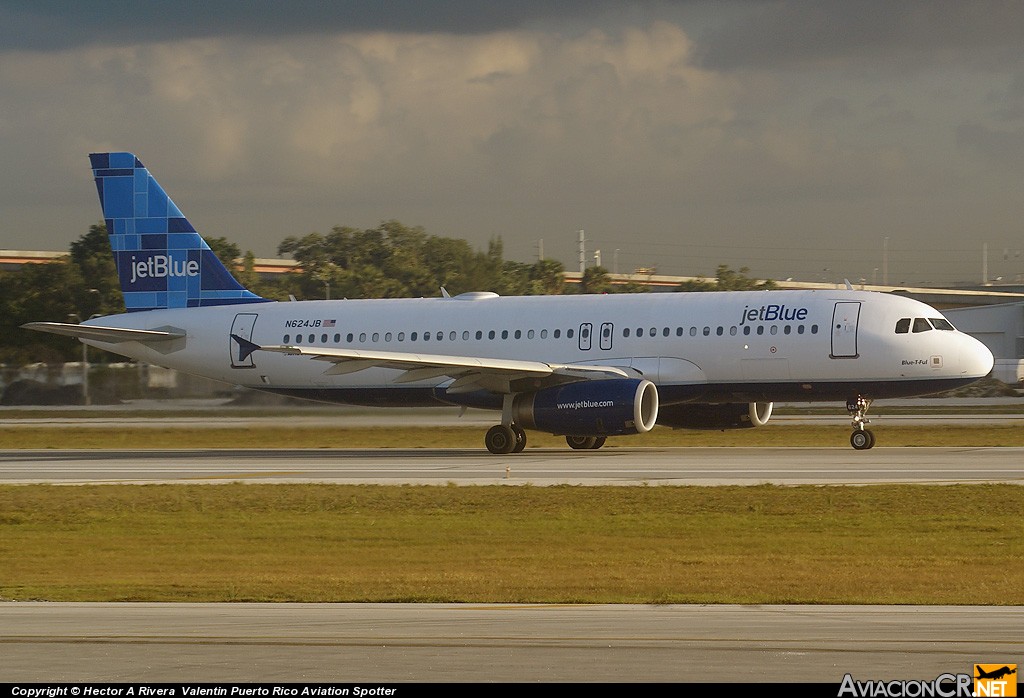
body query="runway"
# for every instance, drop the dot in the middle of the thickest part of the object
(370, 643)
(609, 466)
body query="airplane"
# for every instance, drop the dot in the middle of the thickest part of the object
(995, 674)
(585, 367)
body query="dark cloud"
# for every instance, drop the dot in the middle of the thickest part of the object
(794, 32)
(59, 24)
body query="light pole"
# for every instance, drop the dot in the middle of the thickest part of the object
(85, 363)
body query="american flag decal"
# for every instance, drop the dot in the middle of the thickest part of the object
(328, 323)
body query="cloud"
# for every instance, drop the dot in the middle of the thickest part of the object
(48, 25)
(895, 34)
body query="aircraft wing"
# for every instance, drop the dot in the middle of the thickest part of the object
(112, 335)
(470, 372)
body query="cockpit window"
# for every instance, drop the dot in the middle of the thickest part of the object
(941, 323)
(921, 325)
(903, 325)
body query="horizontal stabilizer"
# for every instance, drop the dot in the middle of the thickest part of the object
(111, 335)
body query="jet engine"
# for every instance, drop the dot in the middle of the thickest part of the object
(590, 408)
(730, 415)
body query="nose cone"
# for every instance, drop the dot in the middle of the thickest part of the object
(975, 359)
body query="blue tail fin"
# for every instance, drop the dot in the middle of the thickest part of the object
(161, 259)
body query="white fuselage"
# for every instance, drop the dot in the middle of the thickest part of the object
(699, 347)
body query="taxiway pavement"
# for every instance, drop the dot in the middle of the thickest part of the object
(608, 466)
(368, 643)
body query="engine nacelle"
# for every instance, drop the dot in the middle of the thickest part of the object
(727, 416)
(590, 408)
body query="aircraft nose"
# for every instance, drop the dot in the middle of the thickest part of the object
(975, 359)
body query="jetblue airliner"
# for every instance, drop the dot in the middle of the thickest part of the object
(583, 366)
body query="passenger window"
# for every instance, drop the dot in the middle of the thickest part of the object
(568, 334)
(312, 339)
(654, 331)
(375, 337)
(903, 325)
(693, 331)
(732, 331)
(504, 334)
(774, 329)
(387, 337)
(760, 329)
(664, 332)
(287, 337)
(679, 332)
(707, 331)
(625, 332)
(362, 336)
(440, 335)
(337, 339)
(814, 329)
(921, 325)
(490, 335)
(787, 329)
(746, 329)
(465, 334)
(557, 334)
(720, 331)
(529, 335)
(479, 334)
(543, 334)
(800, 329)
(412, 337)
(426, 336)
(519, 334)
(401, 336)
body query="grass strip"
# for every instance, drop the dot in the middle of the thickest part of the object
(902, 544)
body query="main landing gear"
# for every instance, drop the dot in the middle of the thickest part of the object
(505, 439)
(585, 442)
(861, 438)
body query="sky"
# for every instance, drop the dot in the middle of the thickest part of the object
(876, 140)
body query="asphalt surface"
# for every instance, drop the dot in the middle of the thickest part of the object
(367, 643)
(608, 466)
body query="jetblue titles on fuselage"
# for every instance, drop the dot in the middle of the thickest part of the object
(772, 312)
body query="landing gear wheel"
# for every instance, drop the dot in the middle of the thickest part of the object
(520, 439)
(500, 439)
(581, 442)
(598, 442)
(862, 439)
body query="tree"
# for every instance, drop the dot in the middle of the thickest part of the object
(726, 279)
(595, 280)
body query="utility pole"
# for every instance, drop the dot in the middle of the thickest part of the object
(885, 261)
(540, 250)
(583, 252)
(85, 363)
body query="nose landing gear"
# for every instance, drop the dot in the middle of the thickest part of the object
(862, 438)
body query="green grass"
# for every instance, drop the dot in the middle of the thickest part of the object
(903, 544)
(75, 437)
